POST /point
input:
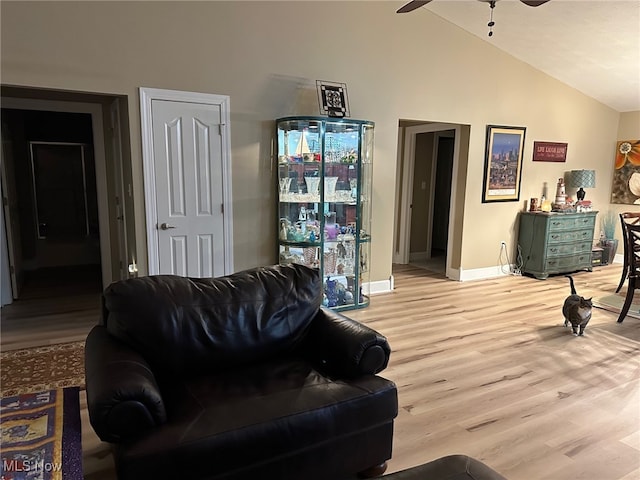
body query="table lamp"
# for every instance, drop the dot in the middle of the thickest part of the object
(582, 179)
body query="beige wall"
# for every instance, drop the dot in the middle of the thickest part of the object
(629, 127)
(267, 55)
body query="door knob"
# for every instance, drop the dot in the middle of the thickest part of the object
(166, 226)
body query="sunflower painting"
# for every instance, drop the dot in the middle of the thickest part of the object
(626, 176)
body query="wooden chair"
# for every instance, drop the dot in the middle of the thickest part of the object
(626, 218)
(632, 256)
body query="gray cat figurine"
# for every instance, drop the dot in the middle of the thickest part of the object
(576, 310)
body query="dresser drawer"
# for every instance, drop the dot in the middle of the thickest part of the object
(554, 243)
(571, 223)
(572, 262)
(571, 236)
(560, 249)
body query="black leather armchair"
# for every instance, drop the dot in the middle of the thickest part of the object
(239, 377)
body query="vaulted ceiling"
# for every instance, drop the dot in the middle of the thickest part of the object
(593, 46)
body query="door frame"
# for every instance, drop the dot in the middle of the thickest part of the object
(404, 202)
(95, 110)
(83, 148)
(8, 268)
(119, 195)
(147, 95)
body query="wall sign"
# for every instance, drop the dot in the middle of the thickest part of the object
(549, 152)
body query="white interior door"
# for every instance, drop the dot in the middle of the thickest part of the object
(187, 214)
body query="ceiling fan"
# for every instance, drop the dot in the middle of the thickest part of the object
(415, 4)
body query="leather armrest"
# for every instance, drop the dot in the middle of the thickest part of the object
(344, 346)
(123, 397)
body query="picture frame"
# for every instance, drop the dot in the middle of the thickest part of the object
(332, 98)
(626, 173)
(503, 163)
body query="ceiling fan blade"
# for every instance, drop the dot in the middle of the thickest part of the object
(412, 5)
(534, 3)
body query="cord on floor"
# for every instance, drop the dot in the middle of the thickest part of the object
(508, 268)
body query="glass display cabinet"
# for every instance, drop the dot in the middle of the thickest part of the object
(324, 202)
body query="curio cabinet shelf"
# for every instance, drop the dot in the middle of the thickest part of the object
(324, 202)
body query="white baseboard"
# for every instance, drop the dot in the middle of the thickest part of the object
(482, 273)
(493, 272)
(380, 286)
(460, 275)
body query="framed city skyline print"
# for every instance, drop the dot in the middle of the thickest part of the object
(503, 163)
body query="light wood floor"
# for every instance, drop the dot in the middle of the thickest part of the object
(485, 368)
(56, 305)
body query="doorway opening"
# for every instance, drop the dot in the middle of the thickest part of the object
(432, 160)
(63, 164)
(431, 200)
(53, 179)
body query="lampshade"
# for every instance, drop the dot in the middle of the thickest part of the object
(582, 178)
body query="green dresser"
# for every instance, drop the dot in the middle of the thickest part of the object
(555, 242)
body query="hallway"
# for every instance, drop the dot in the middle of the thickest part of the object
(56, 305)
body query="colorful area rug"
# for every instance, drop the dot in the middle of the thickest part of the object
(614, 302)
(41, 368)
(41, 437)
